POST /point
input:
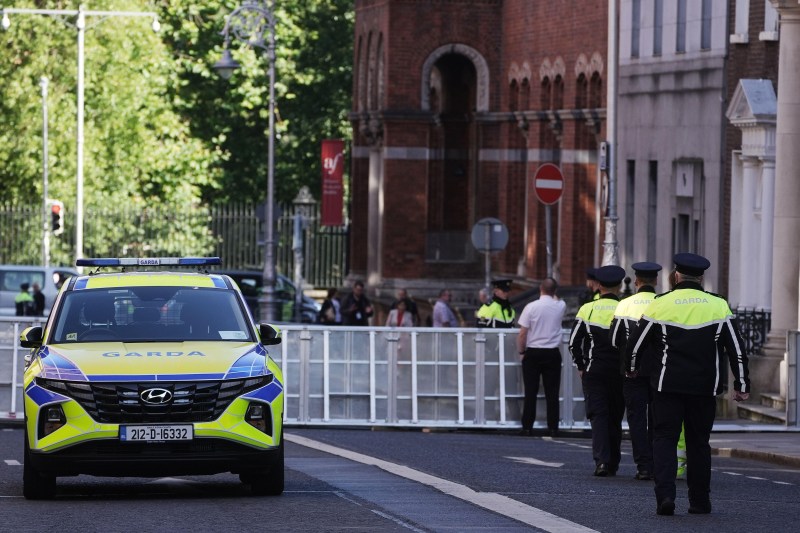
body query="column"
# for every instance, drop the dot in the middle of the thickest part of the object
(786, 247)
(765, 242)
(748, 267)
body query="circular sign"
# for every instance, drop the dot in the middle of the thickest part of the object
(548, 183)
(489, 235)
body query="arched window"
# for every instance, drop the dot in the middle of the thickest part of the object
(525, 95)
(596, 91)
(513, 96)
(545, 97)
(558, 93)
(581, 92)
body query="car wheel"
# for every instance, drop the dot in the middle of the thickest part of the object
(35, 485)
(269, 482)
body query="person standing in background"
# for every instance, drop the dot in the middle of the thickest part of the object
(498, 313)
(443, 315)
(356, 309)
(538, 344)
(38, 300)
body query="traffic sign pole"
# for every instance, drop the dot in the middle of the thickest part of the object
(548, 182)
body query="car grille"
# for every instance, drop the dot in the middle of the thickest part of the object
(191, 401)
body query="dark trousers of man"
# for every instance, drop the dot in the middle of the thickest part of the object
(544, 363)
(638, 400)
(696, 413)
(605, 407)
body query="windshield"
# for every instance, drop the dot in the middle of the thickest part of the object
(143, 314)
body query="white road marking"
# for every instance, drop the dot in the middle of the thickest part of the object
(733, 473)
(397, 521)
(173, 481)
(488, 500)
(537, 462)
(782, 483)
(13, 462)
(756, 478)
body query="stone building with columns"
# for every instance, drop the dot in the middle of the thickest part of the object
(455, 105)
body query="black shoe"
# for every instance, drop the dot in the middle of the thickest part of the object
(525, 433)
(553, 433)
(702, 508)
(666, 507)
(602, 470)
(643, 475)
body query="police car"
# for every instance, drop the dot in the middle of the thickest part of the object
(152, 373)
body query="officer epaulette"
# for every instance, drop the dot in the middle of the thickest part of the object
(717, 295)
(662, 294)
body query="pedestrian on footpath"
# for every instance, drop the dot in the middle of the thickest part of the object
(598, 366)
(636, 385)
(691, 328)
(538, 344)
(23, 302)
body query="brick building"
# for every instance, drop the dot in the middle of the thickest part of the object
(455, 105)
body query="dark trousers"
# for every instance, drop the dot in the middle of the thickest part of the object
(638, 403)
(544, 363)
(605, 407)
(696, 413)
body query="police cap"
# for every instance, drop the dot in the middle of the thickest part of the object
(591, 273)
(646, 269)
(610, 275)
(691, 264)
(502, 284)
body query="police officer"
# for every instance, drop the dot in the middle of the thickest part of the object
(23, 302)
(592, 286)
(498, 313)
(636, 385)
(691, 328)
(598, 365)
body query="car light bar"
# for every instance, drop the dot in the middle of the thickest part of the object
(146, 261)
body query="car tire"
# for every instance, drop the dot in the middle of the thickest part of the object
(268, 482)
(35, 485)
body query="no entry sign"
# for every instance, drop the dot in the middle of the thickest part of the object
(548, 183)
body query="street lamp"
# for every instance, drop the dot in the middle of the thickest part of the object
(303, 209)
(253, 24)
(79, 15)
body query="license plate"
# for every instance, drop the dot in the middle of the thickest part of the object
(158, 433)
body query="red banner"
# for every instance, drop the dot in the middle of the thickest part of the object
(332, 184)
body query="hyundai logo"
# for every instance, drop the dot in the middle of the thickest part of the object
(156, 396)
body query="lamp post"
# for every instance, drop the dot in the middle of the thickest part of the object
(79, 16)
(303, 206)
(253, 23)
(610, 248)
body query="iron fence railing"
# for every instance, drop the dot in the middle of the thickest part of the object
(754, 325)
(234, 232)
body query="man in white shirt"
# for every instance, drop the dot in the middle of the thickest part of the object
(443, 315)
(539, 344)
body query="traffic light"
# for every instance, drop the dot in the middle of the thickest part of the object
(57, 217)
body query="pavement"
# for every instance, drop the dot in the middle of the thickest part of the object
(770, 443)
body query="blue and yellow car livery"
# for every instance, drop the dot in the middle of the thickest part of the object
(151, 373)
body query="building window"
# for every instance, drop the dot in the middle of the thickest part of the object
(630, 202)
(652, 209)
(581, 92)
(680, 37)
(705, 28)
(636, 17)
(770, 32)
(658, 26)
(741, 23)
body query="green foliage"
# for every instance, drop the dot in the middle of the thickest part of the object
(162, 129)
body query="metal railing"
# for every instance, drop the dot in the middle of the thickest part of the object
(376, 376)
(754, 325)
(234, 232)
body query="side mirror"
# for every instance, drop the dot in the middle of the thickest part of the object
(270, 335)
(31, 337)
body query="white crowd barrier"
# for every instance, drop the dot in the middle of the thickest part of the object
(377, 376)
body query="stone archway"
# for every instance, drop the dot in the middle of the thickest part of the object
(481, 70)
